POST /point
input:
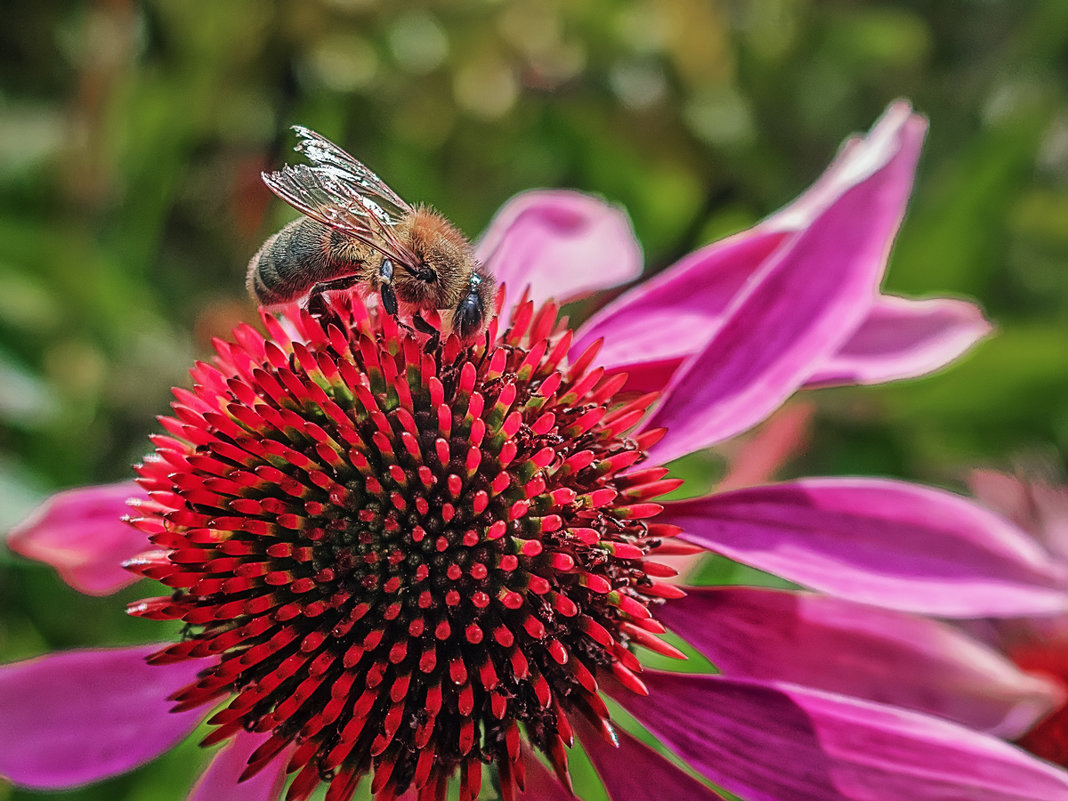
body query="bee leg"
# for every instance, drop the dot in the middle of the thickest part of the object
(317, 296)
(389, 296)
(486, 350)
(389, 303)
(389, 299)
(424, 327)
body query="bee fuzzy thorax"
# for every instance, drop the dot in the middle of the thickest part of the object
(441, 249)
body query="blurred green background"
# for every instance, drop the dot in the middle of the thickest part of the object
(132, 136)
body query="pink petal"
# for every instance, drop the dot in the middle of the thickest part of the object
(563, 244)
(857, 159)
(769, 741)
(904, 338)
(80, 533)
(635, 772)
(757, 458)
(71, 718)
(859, 650)
(673, 315)
(883, 542)
(651, 329)
(220, 779)
(799, 308)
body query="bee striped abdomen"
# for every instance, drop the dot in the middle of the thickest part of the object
(293, 261)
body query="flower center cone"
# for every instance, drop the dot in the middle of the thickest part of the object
(404, 563)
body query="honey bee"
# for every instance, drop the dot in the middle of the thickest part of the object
(359, 231)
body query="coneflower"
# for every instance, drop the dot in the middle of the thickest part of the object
(406, 562)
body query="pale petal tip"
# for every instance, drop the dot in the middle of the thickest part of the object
(562, 243)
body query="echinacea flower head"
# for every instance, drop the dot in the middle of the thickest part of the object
(403, 561)
(398, 561)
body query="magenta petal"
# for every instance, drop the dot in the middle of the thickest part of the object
(80, 533)
(904, 338)
(778, 742)
(856, 160)
(859, 650)
(220, 779)
(651, 329)
(756, 458)
(562, 243)
(883, 542)
(635, 772)
(798, 310)
(76, 717)
(673, 315)
(900, 338)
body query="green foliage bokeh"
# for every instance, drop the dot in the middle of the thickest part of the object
(132, 136)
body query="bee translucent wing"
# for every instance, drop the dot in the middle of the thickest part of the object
(318, 195)
(325, 155)
(340, 192)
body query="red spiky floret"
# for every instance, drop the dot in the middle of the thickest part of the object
(400, 563)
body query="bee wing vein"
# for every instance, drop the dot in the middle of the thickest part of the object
(321, 151)
(328, 197)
